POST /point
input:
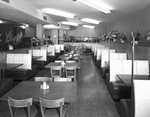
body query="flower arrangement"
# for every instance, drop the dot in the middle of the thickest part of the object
(122, 36)
(148, 36)
(113, 35)
(102, 37)
(137, 35)
(13, 40)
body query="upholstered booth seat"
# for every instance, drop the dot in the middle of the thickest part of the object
(6, 85)
(125, 108)
(119, 90)
(23, 72)
(105, 58)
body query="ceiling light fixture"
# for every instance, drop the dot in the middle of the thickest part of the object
(50, 26)
(24, 26)
(58, 12)
(90, 20)
(1, 21)
(101, 6)
(88, 26)
(69, 23)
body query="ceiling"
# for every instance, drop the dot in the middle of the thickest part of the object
(120, 8)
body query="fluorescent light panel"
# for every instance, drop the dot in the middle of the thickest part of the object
(50, 26)
(90, 20)
(88, 26)
(69, 23)
(58, 12)
(97, 5)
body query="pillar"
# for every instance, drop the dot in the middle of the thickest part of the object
(54, 36)
(40, 32)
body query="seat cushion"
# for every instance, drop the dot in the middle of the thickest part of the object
(119, 90)
(53, 112)
(6, 85)
(125, 108)
(20, 74)
(22, 112)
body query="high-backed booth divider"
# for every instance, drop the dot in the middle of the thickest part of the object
(57, 50)
(116, 86)
(42, 54)
(139, 105)
(105, 58)
(112, 56)
(50, 52)
(23, 72)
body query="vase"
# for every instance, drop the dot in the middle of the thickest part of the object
(136, 42)
(122, 41)
(10, 47)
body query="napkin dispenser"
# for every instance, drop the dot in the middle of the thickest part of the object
(44, 86)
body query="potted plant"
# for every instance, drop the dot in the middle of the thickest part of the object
(148, 36)
(137, 36)
(122, 36)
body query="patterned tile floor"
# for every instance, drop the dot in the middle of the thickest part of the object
(93, 98)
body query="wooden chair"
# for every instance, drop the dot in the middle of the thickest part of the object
(76, 58)
(52, 108)
(56, 71)
(70, 72)
(62, 80)
(24, 108)
(43, 79)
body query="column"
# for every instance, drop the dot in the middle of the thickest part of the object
(40, 32)
(54, 36)
(61, 36)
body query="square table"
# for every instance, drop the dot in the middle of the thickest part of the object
(36, 57)
(126, 79)
(32, 89)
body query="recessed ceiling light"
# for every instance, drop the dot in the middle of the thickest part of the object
(97, 4)
(88, 26)
(50, 26)
(69, 23)
(90, 20)
(58, 12)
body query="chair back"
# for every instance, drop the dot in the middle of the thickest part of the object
(46, 79)
(71, 72)
(56, 71)
(19, 104)
(52, 104)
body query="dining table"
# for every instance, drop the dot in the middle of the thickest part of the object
(32, 89)
(36, 57)
(126, 78)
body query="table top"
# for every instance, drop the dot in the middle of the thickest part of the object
(126, 79)
(32, 89)
(36, 57)
(9, 65)
(77, 64)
